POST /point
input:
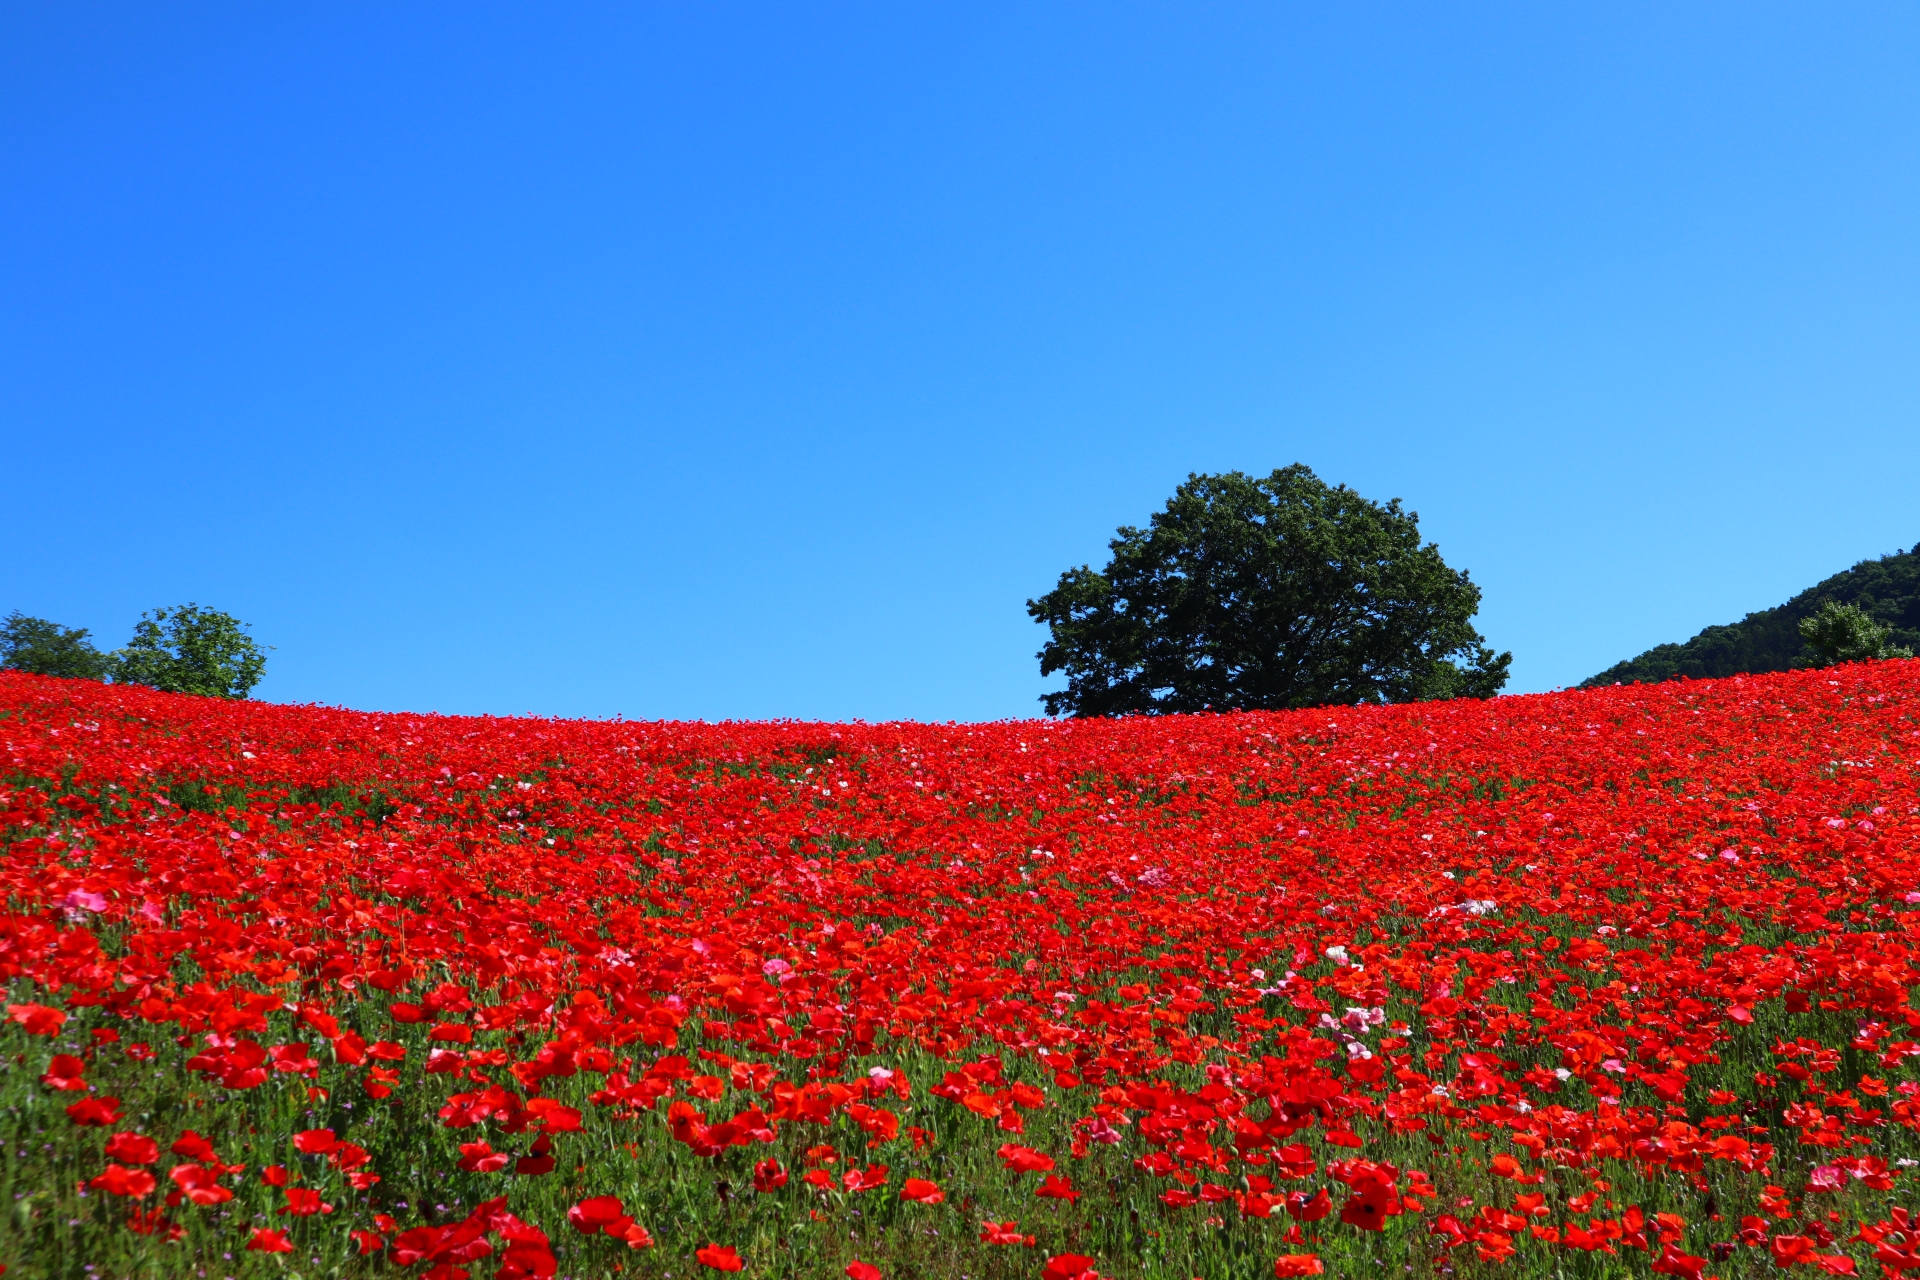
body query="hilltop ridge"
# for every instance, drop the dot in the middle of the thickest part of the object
(1886, 589)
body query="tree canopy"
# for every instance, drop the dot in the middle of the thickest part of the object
(187, 649)
(1264, 593)
(1844, 633)
(48, 649)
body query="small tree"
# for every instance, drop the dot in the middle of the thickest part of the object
(1844, 633)
(1250, 593)
(188, 649)
(48, 649)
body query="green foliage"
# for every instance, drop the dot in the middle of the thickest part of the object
(1886, 590)
(1842, 633)
(44, 648)
(1250, 593)
(188, 649)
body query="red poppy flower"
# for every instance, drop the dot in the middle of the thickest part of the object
(266, 1240)
(193, 1147)
(554, 1116)
(95, 1111)
(199, 1184)
(1024, 1159)
(596, 1214)
(1295, 1160)
(868, 1179)
(132, 1148)
(64, 1074)
(1309, 1208)
(1672, 1262)
(921, 1191)
(37, 1019)
(1069, 1266)
(315, 1142)
(419, 1244)
(719, 1257)
(1057, 1187)
(1297, 1264)
(480, 1157)
(538, 1160)
(121, 1181)
(526, 1260)
(294, 1059)
(1790, 1251)
(1369, 1206)
(304, 1202)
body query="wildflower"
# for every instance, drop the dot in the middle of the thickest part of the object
(132, 1148)
(199, 1184)
(1024, 1159)
(864, 1179)
(266, 1240)
(303, 1202)
(315, 1142)
(719, 1257)
(1309, 1208)
(97, 1110)
(596, 1214)
(37, 1019)
(1370, 1205)
(480, 1157)
(1056, 1187)
(121, 1181)
(64, 1074)
(1295, 1160)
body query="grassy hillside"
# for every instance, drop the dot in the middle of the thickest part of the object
(1601, 985)
(1888, 589)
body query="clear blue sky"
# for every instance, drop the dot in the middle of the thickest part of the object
(729, 361)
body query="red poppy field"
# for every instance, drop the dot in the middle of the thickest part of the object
(1582, 985)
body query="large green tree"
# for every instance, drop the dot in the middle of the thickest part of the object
(1845, 633)
(1262, 593)
(187, 649)
(49, 649)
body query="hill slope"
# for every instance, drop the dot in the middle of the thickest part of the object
(1888, 589)
(1281, 994)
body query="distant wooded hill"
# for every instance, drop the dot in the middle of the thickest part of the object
(1887, 590)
